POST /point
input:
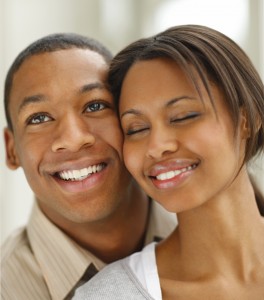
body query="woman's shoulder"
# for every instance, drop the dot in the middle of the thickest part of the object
(116, 281)
(258, 189)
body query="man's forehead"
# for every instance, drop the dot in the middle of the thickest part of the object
(83, 69)
(80, 61)
(66, 56)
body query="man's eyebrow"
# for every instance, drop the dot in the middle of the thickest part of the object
(169, 103)
(31, 99)
(40, 98)
(92, 86)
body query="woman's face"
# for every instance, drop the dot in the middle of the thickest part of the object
(178, 149)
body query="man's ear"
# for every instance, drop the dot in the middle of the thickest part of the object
(12, 159)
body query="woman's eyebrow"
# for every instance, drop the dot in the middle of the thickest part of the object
(174, 100)
(168, 103)
(131, 111)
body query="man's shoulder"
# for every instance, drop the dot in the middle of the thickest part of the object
(115, 281)
(12, 246)
(21, 277)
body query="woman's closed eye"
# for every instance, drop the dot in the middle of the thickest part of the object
(185, 117)
(133, 131)
(134, 127)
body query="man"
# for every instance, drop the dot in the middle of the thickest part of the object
(63, 131)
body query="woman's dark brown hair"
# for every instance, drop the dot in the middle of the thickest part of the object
(216, 59)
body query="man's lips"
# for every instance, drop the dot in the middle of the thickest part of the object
(80, 174)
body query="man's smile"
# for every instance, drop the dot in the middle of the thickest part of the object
(78, 175)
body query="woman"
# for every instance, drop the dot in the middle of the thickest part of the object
(191, 107)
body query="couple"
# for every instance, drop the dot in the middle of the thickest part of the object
(191, 110)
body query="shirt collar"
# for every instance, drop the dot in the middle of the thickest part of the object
(62, 261)
(161, 223)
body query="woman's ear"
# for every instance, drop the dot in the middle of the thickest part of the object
(12, 159)
(244, 126)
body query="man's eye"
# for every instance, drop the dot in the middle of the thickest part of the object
(95, 106)
(38, 118)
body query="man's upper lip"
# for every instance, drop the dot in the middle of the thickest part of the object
(74, 165)
(170, 165)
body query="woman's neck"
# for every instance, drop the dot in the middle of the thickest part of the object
(225, 235)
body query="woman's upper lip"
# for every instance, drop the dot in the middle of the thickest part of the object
(170, 165)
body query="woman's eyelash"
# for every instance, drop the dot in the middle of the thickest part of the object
(178, 118)
(186, 117)
(174, 120)
(134, 131)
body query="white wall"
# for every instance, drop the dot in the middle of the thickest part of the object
(113, 22)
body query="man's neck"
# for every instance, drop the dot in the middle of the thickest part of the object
(116, 236)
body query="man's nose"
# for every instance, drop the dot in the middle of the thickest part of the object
(72, 134)
(162, 141)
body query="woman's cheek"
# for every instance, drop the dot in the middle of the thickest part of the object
(131, 158)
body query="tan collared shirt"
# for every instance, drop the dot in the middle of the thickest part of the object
(41, 262)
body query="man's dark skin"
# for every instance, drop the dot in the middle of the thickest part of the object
(64, 120)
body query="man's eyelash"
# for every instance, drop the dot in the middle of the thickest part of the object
(29, 120)
(99, 104)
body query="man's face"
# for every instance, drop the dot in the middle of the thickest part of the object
(66, 135)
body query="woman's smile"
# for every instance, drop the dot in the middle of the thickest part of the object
(172, 178)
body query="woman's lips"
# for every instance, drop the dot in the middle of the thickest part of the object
(173, 173)
(172, 178)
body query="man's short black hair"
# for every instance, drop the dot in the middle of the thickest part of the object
(50, 43)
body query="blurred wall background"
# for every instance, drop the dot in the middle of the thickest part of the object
(115, 23)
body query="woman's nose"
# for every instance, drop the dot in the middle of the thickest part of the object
(162, 141)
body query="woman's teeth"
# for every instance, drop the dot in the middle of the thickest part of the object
(171, 174)
(77, 175)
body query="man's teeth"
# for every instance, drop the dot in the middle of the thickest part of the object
(171, 174)
(80, 174)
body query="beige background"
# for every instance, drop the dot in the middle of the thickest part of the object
(115, 23)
